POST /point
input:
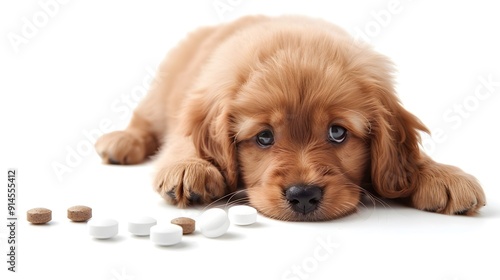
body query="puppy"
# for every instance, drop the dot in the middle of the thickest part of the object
(295, 111)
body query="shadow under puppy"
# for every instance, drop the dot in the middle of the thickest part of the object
(294, 110)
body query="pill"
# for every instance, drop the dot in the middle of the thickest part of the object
(39, 215)
(141, 225)
(79, 213)
(187, 224)
(214, 222)
(166, 235)
(242, 215)
(103, 228)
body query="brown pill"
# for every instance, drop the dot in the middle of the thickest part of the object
(79, 213)
(39, 216)
(187, 224)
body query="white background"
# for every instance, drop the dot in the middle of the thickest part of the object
(83, 69)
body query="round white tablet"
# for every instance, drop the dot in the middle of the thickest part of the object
(140, 225)
(103, 228)
(242, 215)
(165, 235)
(213, 222)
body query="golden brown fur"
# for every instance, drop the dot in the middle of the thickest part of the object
(296, 77)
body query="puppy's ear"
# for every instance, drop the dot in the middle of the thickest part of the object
(207, 121)
(395, 151)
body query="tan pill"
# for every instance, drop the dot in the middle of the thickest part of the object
(187, 224)
(79, 213)
(39, 216)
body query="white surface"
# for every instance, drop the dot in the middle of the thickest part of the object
(242, 215)
(141, 226)
(213, 223)
(102, 228)
(166, 235)
(82, 74)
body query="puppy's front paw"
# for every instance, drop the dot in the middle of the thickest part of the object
(187, 182)
(448, 190)
(121, 147)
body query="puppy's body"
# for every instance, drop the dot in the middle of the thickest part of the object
(294, 110)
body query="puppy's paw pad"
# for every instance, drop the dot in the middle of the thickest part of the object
(120, 147)
(193, 181)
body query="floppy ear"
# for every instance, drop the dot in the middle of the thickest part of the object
(394, 132)
(395, 152)
(208, 122)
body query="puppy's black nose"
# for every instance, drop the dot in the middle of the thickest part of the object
(304, 198)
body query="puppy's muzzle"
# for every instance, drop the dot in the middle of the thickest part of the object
(304, 198)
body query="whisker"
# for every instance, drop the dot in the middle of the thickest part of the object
(230, 195)
(375, 199)
(371, 197)
(239, 201)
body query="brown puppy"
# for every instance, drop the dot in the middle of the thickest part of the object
(295, 111)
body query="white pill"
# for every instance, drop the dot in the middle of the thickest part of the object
(213, 222)
(164, 235)
(103, 228)
(140, 225)
(242, 215)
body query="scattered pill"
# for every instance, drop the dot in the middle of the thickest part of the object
(39, 216)
(166, 235)
(141, 225)
(242, 215)
(79, 213)
(214, 222)
(103, 228)
(187, 224)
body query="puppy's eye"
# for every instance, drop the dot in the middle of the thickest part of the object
(265, 138)
(337, 134)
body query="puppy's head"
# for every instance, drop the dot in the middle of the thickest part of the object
(305, 121)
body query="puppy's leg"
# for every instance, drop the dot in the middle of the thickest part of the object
(155, 115)
(130, 146)
(446, 189)
(182, 178)
(144, 133)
